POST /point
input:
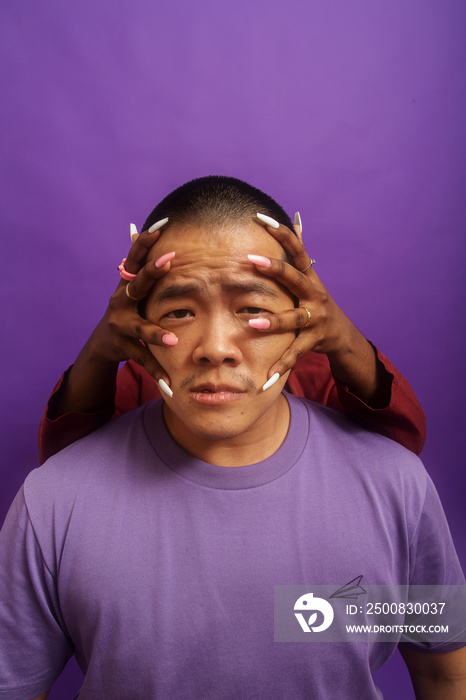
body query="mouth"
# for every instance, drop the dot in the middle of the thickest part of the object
(210, 394)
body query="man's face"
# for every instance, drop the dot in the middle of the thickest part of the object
(220, 364)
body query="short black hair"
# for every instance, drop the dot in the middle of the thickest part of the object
(216, 199)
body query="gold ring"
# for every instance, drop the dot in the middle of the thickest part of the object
(308, 322)
(129, 295)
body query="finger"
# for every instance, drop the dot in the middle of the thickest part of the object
(299, 347)
(139, 288)
(141, 246)
(298, 226)
(293, 246)
(143, 357)
(140, 329)
(133, 233)
(298, 232)
(291, 278)
(137, 352)
(292, 243)
(283, 322)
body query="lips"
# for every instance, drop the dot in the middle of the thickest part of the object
(209, 388)
(215, 394)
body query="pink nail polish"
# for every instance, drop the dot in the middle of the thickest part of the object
(169, 339)
(260, 323)
(160, 262)
(259, 260)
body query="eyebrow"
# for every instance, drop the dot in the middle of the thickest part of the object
(174, 291)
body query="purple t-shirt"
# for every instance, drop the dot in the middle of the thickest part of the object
(158, 570)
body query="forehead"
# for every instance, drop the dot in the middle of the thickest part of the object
(214, 255)
(236, 238)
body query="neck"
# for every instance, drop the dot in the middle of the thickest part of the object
(259, 442)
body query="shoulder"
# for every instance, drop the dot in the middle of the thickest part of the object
(328, 423)
(369, 456)
(92, 460)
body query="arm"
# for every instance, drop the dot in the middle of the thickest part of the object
(344, 371)
(90, 384)
(134, 387)
(84, 398)
(323, 327)
(401, 419)
(437, 676)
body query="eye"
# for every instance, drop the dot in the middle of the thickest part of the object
(252, 311)
(180, 313)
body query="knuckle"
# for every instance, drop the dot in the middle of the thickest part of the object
(283, 366)
(302, 279)
(149, 273)
(297, 248)
(289, 360)
(323, 298)
(140, 247)
(115, 298)
(113, 325)
(281, 267)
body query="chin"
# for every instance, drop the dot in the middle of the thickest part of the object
(217, 431)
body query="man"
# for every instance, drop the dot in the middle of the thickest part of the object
(151, 548)
(330, 361)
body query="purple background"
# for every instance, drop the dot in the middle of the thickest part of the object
(351, 112)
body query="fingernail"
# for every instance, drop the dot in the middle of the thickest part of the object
(157, 225)
(274, 378)
(160, 262)
(133, 232)
(268, 220)
(169, 339)
(297, 220)
(259, 260)
(165, 388)
(260, 323)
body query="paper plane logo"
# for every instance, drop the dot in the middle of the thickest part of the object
(350, 590)
(307, 603)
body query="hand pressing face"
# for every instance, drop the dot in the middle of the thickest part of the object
(220, 364)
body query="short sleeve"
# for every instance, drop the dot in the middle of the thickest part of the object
(34, 646)
(436, 571)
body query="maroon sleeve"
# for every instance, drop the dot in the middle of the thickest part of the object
(134, 387)
(402, 420)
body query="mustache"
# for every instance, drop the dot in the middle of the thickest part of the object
(198, 377)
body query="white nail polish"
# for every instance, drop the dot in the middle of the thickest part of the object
(165, 388)
(297, 220)
(157, 225)
(274, 378)
(268, 220)
(133, 232)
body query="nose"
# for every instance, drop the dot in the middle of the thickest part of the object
(218, 342)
